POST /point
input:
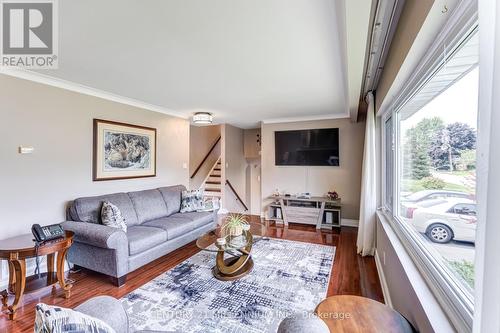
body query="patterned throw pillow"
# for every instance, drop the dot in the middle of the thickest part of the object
(111, 216)
(192, 201)
(54, 319)
(209, 205)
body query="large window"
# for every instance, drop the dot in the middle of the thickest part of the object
(437, 175)
(430, 174)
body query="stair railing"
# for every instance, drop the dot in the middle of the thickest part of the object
(228, 183)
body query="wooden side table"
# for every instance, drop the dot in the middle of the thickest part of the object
(353, 314)
(16, 250)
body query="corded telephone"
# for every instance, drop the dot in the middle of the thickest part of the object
(46, 233)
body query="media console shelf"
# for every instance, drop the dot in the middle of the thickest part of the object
(319, 211)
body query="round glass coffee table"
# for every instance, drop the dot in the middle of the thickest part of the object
(239, 261)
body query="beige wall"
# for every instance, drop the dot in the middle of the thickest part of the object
(58, 124)
(251, 146)
(235, 168)
(412, 17)
(252, 154)
(345, 179)
(253, 175)
(201, 139)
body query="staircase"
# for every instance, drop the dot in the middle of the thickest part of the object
(213, 182)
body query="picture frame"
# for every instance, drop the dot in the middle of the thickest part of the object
(123, 151)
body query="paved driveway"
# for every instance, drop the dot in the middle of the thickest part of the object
(454, 251)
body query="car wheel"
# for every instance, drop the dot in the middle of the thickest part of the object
(439, 233)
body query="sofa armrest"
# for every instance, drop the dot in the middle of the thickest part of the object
(96, 234)
(107, 309)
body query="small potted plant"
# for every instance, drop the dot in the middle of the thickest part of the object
(234, 225)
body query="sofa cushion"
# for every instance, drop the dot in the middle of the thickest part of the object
(88, 209)
(142, 238)
(172, 197)
(200, 218)
(181, 223)
(148, 204)
(108, 309)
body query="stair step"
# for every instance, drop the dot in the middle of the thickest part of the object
(215, 176)
(217, 169)
(212, 194)
(214, 179)
(215, 182)
(212, 189)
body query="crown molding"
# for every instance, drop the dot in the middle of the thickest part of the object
(86, 90)
(306, 118)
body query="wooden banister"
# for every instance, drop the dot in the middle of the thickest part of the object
(228, 183)
(205, 158)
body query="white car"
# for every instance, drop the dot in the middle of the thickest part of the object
(411, 202)
(453, 220)
(410, 208)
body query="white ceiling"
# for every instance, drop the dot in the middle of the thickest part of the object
(245, 61)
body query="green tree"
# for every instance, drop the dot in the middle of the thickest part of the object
(447, 147)
(427, 130)
(416, 163)
(468, 159)
(418, 141)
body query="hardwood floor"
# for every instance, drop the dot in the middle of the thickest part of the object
(352, 274)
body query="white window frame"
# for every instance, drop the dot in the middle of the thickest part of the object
(457, 304)
(387, 207)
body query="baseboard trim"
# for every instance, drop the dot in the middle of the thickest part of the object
(349, 223)
(383, 281)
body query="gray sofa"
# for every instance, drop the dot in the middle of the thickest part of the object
(110, 310)
(155, 228)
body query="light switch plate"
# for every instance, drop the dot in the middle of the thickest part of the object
(26, 150)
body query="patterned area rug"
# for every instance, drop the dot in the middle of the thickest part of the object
(288, 277)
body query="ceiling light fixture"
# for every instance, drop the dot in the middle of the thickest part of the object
(202, 118)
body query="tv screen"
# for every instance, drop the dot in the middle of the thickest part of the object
(307, 147)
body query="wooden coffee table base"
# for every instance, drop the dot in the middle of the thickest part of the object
(242, 271)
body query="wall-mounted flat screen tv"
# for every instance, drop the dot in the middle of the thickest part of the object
(313, 147)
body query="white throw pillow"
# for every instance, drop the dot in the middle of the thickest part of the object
(111, 216)
(54, 319)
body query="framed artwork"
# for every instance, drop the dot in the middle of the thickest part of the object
(123, 151)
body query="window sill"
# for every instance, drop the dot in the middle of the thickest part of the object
(434, 313)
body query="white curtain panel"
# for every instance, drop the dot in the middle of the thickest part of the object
(368, 202)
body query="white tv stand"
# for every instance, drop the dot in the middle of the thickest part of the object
(320, 211)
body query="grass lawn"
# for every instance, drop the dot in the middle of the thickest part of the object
(412, 185)
(465, 270)
(449, 179)
(458, 172)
